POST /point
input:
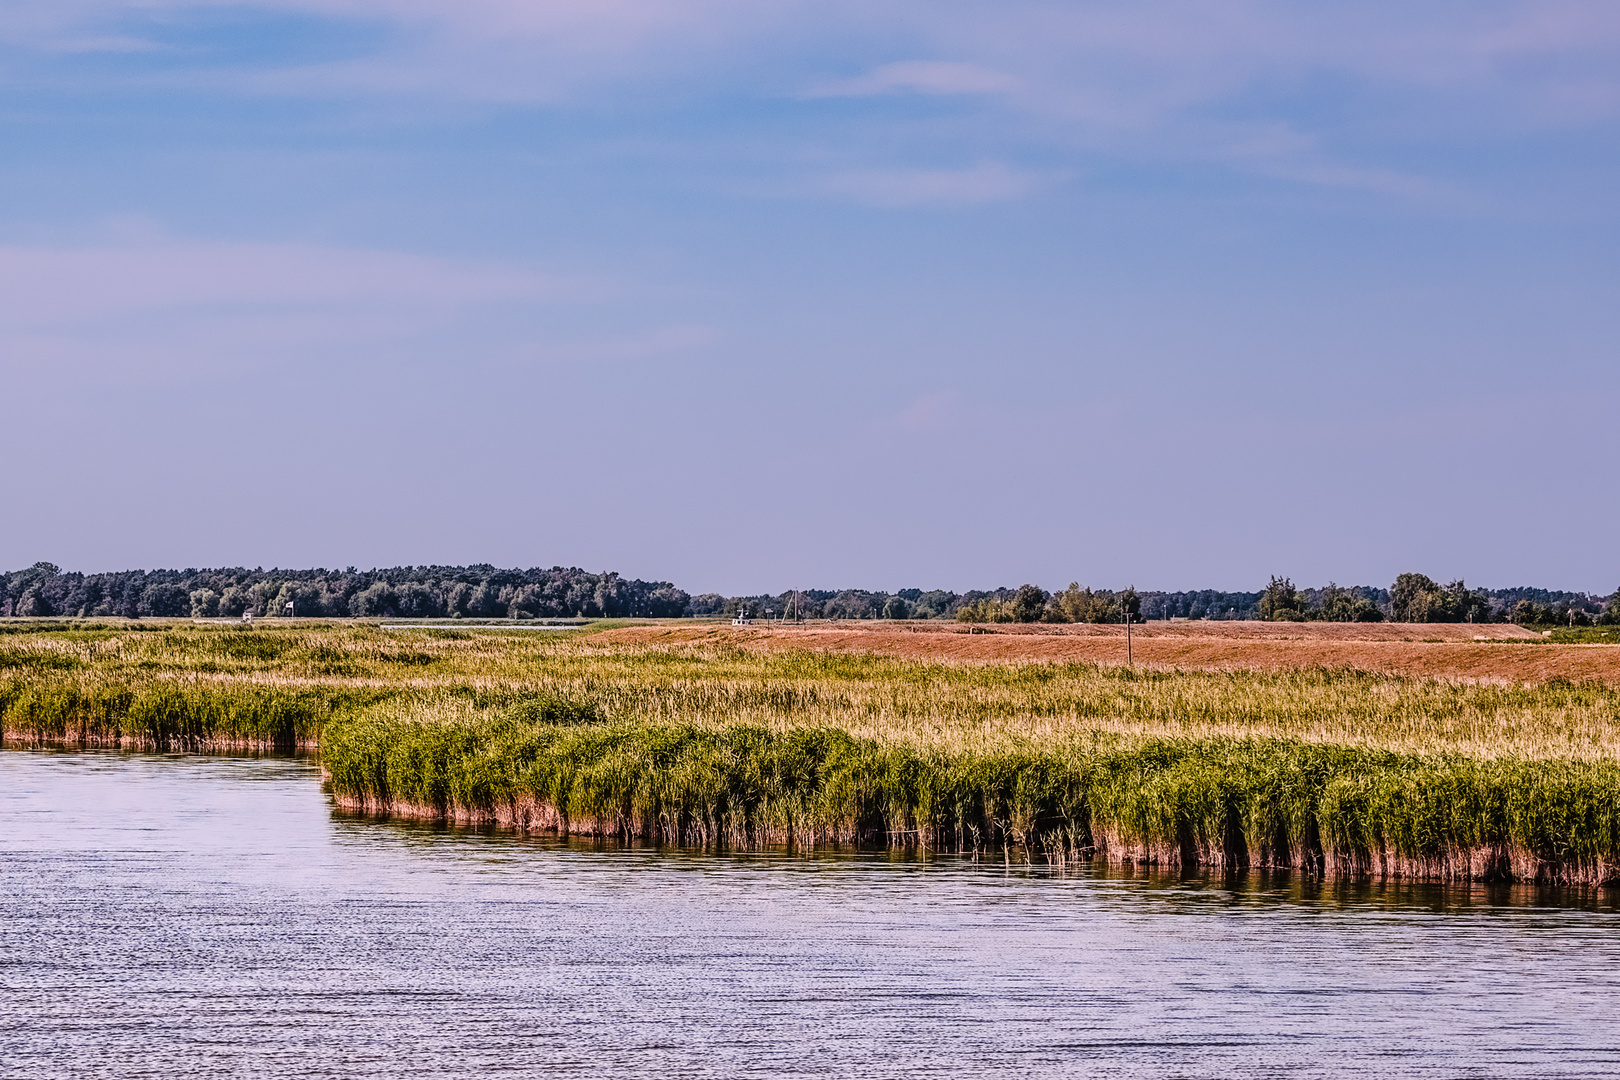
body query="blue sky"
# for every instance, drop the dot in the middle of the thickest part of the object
(760, 295)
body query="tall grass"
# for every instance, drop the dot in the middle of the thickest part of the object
(169, 716)
(966, 706)
(1223, 802)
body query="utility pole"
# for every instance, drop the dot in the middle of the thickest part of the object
(1128, 640)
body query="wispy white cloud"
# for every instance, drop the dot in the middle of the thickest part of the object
(1129, 61)
(106, 43)
(918, 76)
(1157, 80)
(1281, 152)
(42, 286)
(497, 51)
(989, 181)
(932, 414)
(175, 309)
(657, 342)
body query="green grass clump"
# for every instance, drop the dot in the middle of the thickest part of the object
(169, 716)
(1584, 635)
(552, 762)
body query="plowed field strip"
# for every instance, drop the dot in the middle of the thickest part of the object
(1241, 648)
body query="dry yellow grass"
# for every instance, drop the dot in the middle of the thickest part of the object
(1501, 653)
(930, 687)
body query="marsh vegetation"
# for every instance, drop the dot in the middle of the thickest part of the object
(1332, 771)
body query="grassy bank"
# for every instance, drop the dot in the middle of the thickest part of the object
(163, 715)
(555, 765)
(1339, 771)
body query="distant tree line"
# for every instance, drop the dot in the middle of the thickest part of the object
(488, 592)
(839, 604)
(1030, 603)
(1412, 598)
(398, 592)
(1418, 598)
(1281, 602)
(1027, 603)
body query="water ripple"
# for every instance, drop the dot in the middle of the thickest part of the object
(195, 916)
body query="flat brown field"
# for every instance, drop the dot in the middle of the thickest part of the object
(1456, 650)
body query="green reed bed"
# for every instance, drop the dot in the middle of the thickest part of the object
(170, 716)
(558, 765)
(156, 688)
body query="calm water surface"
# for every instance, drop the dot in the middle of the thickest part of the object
(192, 916)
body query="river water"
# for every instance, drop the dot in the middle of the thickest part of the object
(198, 916)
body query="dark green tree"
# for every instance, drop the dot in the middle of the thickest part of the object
(1418, 598)
(1130, 603)
(1412, 597)
(1365, 610)
(1029, 603)
(1281, 602)
(164, 601)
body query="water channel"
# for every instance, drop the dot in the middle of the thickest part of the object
(212, 916)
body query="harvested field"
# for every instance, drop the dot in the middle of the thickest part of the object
(1498, 652)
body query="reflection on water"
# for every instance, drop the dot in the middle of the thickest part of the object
(198, 916)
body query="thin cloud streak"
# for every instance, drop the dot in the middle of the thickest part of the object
(1153, 83)
(176, 310)
(919, 76)
(1103, 63)
(986, 182)
(49, 286)
(937, 413)
(657, 343)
